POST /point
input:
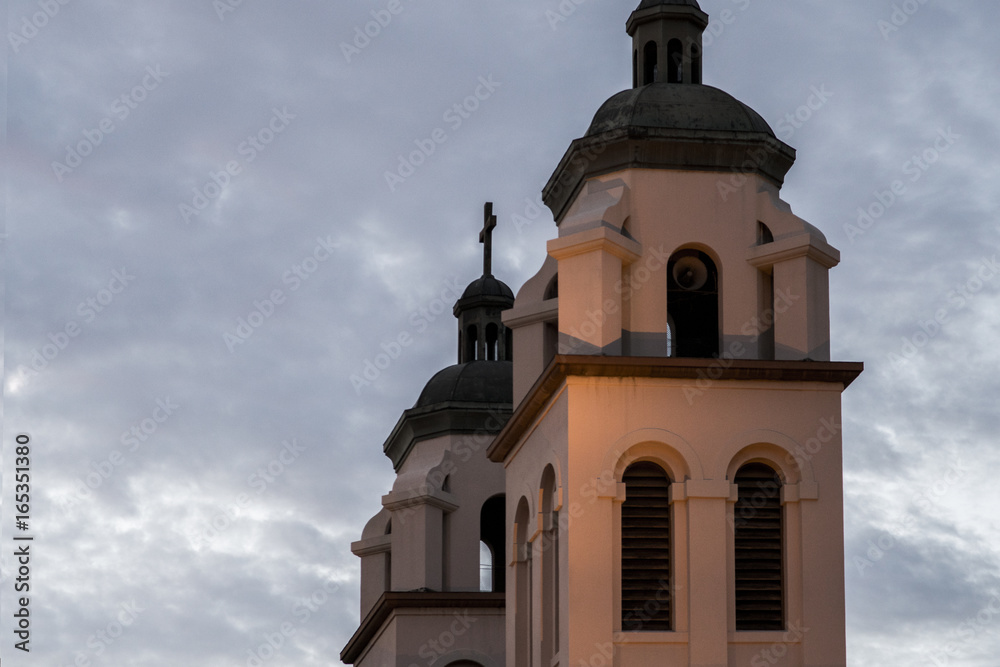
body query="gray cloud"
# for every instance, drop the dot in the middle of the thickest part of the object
(209, 602)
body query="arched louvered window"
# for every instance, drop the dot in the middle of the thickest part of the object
(758, 527)
(646, 549)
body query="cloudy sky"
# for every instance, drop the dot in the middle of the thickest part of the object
(203, 248)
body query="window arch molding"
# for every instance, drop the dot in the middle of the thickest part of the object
(708, 250)
(771, 447)
(672, 452)
(552, 464)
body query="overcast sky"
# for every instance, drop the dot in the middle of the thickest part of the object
(203, 247)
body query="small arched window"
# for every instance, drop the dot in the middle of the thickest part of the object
(757, 521)
(471, 343)
(492, 524)
(552, 289)
(649, 68)
(645, 523)
(675, 61)
(695, 62)
(635, 68)
(492, 338)
(693, 304)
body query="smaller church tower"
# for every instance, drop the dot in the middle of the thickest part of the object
(666, 42)
(482, 334)
(433, 559)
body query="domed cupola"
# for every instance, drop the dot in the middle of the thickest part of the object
(669, 120)
(474, 396)
(666, 41)
(482, 335)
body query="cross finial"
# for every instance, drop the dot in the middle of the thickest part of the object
(486, 238)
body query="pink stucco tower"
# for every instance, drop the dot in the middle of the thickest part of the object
(673, 466)
(637, 462)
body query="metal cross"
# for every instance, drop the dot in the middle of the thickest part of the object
(486, 238)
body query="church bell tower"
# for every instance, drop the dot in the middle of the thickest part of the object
(673, 467)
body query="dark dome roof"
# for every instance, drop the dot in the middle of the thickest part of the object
(487, 286)
(646, 4)
(672, 106)
(472, 382)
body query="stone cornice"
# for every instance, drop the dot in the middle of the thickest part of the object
(800, 245)
(453, 417)
(392, 601)
(729, 153)
(598, 238)
(565, 366)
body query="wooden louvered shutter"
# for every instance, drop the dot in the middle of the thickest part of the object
(759, 571)
(646, 549)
